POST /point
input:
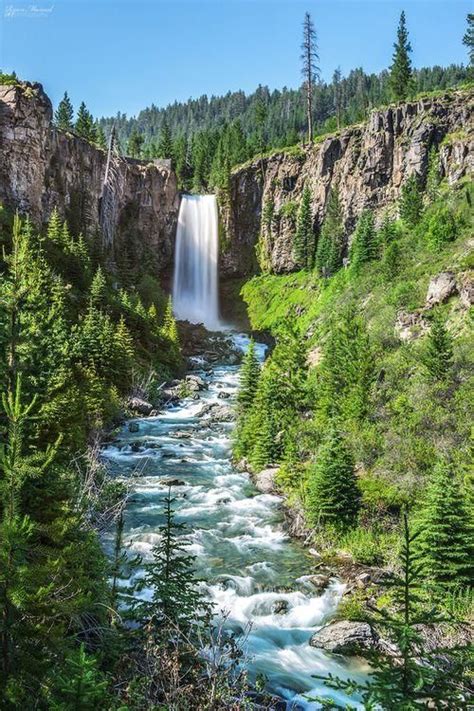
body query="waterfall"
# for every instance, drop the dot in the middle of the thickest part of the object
(195, 285)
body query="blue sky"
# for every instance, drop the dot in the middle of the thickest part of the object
(126, 54)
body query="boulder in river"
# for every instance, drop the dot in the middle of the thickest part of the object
(172, 482)
(345, 637)
(140, 406)
(320, 582)
(280, 607)
(223, 395)
(133, 427)
(195, 383)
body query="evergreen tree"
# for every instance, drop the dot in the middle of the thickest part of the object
(309, 69)
(401, 81)
(338, 100)
(80, 685)
(304, 241)
(135, 145)
(100, 138)
(387, 231)
(333, 495)
(64, 116)
(98, 290)
(391, 260)
(446, 541)
(438, 356)
(412, 677)
(170, 328)
(468, 39)
(55, 227)
(331, 239)
(411, 201)
(248, 377)
(433, 177)
(84, 126)
(364, 246)
(124, 354)
(165, 145)
(176, 599)
(347, 370)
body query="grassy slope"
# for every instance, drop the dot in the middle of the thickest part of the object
(411, 420)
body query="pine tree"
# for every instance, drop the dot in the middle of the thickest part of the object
(165, 145)
(347, 371)
(438, 356)
(446, 540)
(80, 685)
(331, 239)
(124, 354)
(135, 145)
(414, 676)
(84, 126)
(170, 328)
(98, 290)
(176, 599)
(338, 101)
(391, 260)
(364, 246)
(468, 39)
(333, 495)
(310, 69)
(54, 232)
(411, 201)
(401, 80)
(433, 176)
(100, 138)
(248, 377)
(64, 116)
(304, 241)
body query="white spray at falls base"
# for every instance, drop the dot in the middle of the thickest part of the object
(195, 283)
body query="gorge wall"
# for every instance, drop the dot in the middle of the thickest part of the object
(368, 163)
(42, 168)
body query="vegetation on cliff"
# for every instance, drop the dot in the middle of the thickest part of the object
(385, 372)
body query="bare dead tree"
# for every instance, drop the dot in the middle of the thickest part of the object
(310, 69)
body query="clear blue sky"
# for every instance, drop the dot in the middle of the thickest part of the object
(126, 54)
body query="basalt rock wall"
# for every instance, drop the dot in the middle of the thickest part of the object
(42, 168)
(368, 163)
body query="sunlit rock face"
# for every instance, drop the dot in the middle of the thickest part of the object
(368, 163)
(42, 168)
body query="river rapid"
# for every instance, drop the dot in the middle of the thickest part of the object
(251, 567)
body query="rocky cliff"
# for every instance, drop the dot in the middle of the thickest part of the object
(368, 163)
(41, 167)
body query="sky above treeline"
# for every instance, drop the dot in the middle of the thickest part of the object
(123, 55)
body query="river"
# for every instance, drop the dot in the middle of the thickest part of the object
(250, 565)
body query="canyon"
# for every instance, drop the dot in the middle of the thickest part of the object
(42, 168)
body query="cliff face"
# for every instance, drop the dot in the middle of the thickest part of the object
(368, 163)
(41, 168)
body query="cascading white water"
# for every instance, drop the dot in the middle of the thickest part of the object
(195, 285)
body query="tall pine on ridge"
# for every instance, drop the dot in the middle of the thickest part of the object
(401, 81)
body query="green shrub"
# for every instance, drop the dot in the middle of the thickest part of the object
(368, 547)
(439, 226)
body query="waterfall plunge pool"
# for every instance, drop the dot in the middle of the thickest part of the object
(242, 550)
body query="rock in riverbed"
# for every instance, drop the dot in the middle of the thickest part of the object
(265, 480)
(344, 637)
(140, 406)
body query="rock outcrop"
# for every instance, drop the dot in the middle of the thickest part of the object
(368, 163)
(344, 637)
(42, 168)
